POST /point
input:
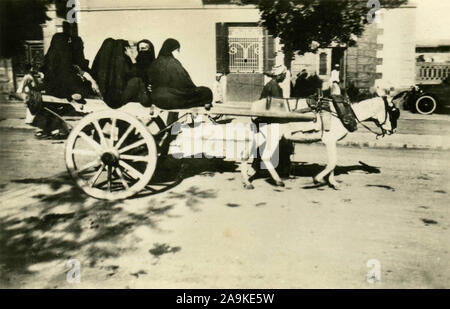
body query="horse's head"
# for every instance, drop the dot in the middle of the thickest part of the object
(388, 116)
(382, 110)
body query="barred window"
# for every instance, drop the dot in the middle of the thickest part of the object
(246, 49)
(323, 64)
(32, 53)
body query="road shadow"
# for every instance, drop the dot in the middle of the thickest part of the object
(62, 222)
(54, 182)
(303, 169)
(161, 249)
(171, 172)
(65, 223)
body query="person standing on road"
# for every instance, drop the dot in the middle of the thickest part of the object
(300, 88)
(273, 88)
(28, 83)
(50, 126)
(286, 84)
(334, 80)
(218, 89)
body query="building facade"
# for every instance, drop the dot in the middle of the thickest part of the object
(384, 55)
(221, 38)
(226, 38)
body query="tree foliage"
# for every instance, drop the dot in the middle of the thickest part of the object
(301, 24)
(21, 20)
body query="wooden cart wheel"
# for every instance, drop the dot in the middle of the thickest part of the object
(111, 155)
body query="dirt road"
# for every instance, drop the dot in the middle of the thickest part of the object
(208, 232)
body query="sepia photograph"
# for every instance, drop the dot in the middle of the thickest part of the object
(224, 144)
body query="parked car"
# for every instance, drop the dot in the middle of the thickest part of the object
(426, 99)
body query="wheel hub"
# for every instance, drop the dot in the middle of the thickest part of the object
(110, 157)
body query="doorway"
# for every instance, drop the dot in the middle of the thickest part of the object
(338, 57)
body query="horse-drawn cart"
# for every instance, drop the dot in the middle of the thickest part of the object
(113, 153)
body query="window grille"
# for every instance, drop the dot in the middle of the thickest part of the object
(246, 49)
(32, 53)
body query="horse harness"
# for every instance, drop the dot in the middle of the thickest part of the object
(323, 104)
(394, 115)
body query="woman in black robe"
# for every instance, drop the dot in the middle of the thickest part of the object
(120, 81)
(171, 85)
(64, 68)
(144, 59)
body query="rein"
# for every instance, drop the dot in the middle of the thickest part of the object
(383, 131)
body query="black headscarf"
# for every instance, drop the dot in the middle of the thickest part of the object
(167, 71)
(60, 74)
(168, 47)
(145, 58)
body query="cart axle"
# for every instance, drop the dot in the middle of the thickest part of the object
(110, 158)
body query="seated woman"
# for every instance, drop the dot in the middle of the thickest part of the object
(66, 70)
(171, 85)
(121, 76)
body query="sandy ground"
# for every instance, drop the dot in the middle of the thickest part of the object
(208, 232)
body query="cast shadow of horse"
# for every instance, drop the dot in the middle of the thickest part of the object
(303, 169)
(310, 170)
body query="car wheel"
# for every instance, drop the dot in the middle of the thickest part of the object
(425, 105)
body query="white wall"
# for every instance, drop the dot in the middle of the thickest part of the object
(194, 28)
(432, 21)
(399, 44)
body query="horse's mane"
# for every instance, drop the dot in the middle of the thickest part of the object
(363, 100)
(396, 97)
(400, 94)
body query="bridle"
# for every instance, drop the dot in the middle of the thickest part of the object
(394, 114)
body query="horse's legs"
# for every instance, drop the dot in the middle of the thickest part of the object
(332, 182)
(331, 164)
(273, 173)
(268, 165)
(244, 174)
(330, 138)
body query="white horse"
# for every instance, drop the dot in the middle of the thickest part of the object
(384, 114)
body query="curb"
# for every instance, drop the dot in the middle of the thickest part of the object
(397, 141)
(392, 146)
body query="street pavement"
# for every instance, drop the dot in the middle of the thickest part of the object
(206, 231)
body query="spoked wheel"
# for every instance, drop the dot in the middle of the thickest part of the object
(111, 155)
(425, 105)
